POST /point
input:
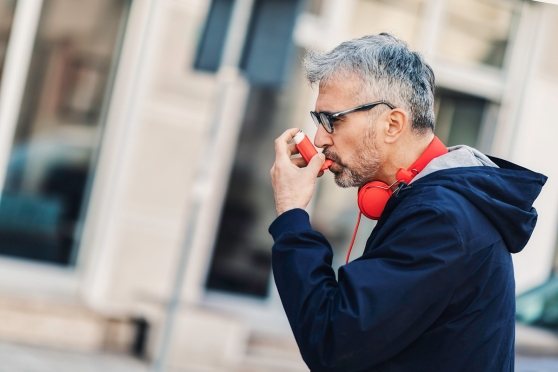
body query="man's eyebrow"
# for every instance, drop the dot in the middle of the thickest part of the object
(327, 112)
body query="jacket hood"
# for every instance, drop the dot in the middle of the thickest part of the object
(502, 191)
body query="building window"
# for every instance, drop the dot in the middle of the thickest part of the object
(45, 193)
(7, 8)
(241, 262)
(210, 47)
(478, 31)
(242, 256)
(268, 45)
(460, 118)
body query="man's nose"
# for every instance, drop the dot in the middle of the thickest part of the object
(322, 138)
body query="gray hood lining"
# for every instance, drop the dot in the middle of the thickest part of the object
(458, 156)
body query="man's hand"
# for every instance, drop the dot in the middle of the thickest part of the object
(293, 184)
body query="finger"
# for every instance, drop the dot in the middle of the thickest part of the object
(299, 162)
(281, 143)
(292, 149)
(316, 163)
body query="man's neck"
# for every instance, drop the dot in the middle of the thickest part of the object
(404, 153)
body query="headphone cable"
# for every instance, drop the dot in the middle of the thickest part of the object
(353, 240)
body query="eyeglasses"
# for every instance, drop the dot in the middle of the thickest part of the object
(326, 119)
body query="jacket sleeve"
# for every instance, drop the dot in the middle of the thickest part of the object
(381, 303)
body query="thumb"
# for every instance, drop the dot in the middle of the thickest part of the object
(316, 163)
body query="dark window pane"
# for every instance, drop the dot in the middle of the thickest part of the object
(50, 163)
(459, 118)
(269, 42)
(241, 260)
(242, 256)
(210, 49)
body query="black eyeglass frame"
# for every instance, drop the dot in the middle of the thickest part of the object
(326, 119)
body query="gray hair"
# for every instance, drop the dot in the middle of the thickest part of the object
(388, 70)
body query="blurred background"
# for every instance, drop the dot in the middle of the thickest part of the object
(136, 138)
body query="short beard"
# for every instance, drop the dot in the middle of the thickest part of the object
(364, 169)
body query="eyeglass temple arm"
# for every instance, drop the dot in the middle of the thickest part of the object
(366, 106)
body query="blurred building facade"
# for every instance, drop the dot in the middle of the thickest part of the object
(107, 109)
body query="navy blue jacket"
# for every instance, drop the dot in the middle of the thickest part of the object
(434, 289)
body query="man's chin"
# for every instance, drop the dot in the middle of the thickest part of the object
(345, 179)
(342, 180)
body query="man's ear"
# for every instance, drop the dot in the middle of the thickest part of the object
(397, 122)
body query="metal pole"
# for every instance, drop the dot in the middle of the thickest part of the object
(228, 72)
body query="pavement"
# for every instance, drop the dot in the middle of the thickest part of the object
(20, 358)
(536, 364)
(23, 358)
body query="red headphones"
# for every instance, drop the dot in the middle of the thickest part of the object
(373, 197)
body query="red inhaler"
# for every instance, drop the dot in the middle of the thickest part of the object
(307, 149)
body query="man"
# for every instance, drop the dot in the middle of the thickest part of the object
(434, 289)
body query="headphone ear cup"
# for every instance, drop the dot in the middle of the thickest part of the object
(372, 199)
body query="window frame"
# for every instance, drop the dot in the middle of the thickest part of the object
(20, 275)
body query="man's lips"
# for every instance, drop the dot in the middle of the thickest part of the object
(327, 163)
